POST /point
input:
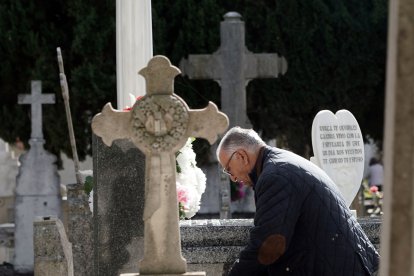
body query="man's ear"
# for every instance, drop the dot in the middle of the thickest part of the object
(245, 157)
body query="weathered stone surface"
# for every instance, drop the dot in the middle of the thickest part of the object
(52, 250)
(80, 230)
(159, 125)
(119, 196)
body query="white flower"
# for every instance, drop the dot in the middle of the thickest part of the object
(190, 180)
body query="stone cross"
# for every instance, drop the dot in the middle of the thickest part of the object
(36, 99)
(37, 184)
(159, 125)
(233, 66)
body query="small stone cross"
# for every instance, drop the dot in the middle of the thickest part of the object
(36, 99)
(233, 66)
(159, 125)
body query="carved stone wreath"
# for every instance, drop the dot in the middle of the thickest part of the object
(159, 124)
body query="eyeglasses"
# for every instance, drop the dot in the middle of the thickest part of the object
(225, 170)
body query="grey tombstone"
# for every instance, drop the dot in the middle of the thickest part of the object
(159, 125)
(8, 172)
(37, 185)
(232, 66)
(397, 248)
(119, 181)
(52, 249)
(80, 229)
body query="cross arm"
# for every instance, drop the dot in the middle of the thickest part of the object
(264, 66)
(111, 124)
(207, 123)
(41, 99)
(201, 66)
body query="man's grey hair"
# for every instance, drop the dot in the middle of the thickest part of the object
(240, 138)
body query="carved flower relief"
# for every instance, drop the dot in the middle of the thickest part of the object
(159, 125)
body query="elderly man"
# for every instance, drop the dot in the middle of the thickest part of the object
(302, 225)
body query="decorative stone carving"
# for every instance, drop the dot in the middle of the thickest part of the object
(159, 125)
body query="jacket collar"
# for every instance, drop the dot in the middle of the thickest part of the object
(257, 169)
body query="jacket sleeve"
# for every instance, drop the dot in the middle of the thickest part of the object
(277, 211)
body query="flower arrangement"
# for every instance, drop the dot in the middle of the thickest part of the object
(190, 181)
(372, 199)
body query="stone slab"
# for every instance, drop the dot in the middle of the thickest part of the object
(118, 207)
(214, 245)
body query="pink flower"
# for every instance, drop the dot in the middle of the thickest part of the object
(373, 189)
(128, 108)
(182, 194)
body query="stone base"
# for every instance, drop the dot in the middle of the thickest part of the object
(195, 273)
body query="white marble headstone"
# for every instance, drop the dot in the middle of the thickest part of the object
(339, 150)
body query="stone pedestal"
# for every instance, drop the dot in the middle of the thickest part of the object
(37, 194)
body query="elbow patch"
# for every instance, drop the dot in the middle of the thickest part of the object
(272, 248)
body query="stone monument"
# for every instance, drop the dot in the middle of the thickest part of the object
(232, 66)
(339, 150)
(159, 125)
(37, 185)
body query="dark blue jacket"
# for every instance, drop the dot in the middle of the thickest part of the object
(302, 225)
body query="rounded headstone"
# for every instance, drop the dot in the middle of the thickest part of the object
(339, 150)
